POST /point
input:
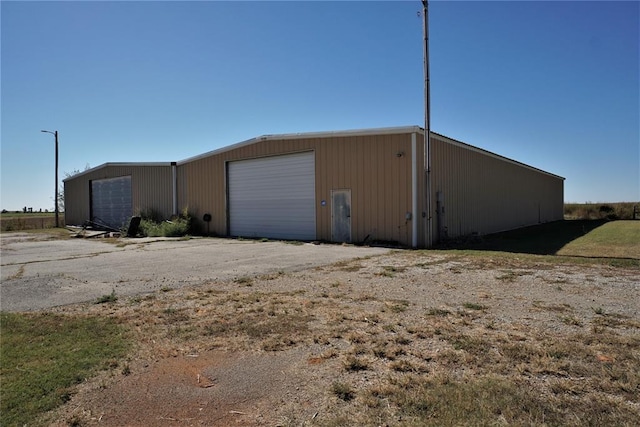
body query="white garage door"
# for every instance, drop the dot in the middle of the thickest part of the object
(111, 201)
(273, 197)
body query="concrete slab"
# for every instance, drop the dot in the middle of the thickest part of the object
(38, 274)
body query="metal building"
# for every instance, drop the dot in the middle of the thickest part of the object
(111, 193)
(350, 186)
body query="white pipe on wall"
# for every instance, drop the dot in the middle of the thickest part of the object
(174, 184)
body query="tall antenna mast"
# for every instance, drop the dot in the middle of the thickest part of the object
(427, 125)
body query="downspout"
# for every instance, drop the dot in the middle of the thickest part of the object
(174, 184)
(414, 192)
(427, 127)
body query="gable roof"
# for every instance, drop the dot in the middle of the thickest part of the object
(326, 134)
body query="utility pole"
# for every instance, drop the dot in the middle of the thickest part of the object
(55, 197)
(427, 126)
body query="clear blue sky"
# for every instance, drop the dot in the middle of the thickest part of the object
(551, 84)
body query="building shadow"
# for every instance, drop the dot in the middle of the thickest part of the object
(542, 239)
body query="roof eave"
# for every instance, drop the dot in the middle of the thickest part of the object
(116, 164)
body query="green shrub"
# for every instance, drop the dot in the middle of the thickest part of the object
(112, 297)
(611, 211)
(152, 226)
(175, 228)
(151, 214)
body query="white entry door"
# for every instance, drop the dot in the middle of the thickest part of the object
(341, 216)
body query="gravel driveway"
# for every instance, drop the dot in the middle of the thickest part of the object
(38, 273)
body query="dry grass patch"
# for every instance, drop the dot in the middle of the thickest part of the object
(343, 391)
(396, 306)
(246, 281)
(414, 351)
(438, 312)
(511, 276)
(571, 320)
(391, 270)
(18, 274)
(560, 308)
(348, 265)
(614, 320)
(474, 306)
(355, 364)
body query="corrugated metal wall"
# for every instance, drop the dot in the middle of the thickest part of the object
(151, 188)
(484, 193)
(369, 165)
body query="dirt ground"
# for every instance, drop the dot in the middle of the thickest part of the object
(275, 350)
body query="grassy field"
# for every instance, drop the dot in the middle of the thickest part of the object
(617, 241)
(45, 355)
(621, 210)
(12, 215)
(17, 221)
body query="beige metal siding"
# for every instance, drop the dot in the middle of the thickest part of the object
(151, 188)
(369, 165)
(76, 201)
(484, 193)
